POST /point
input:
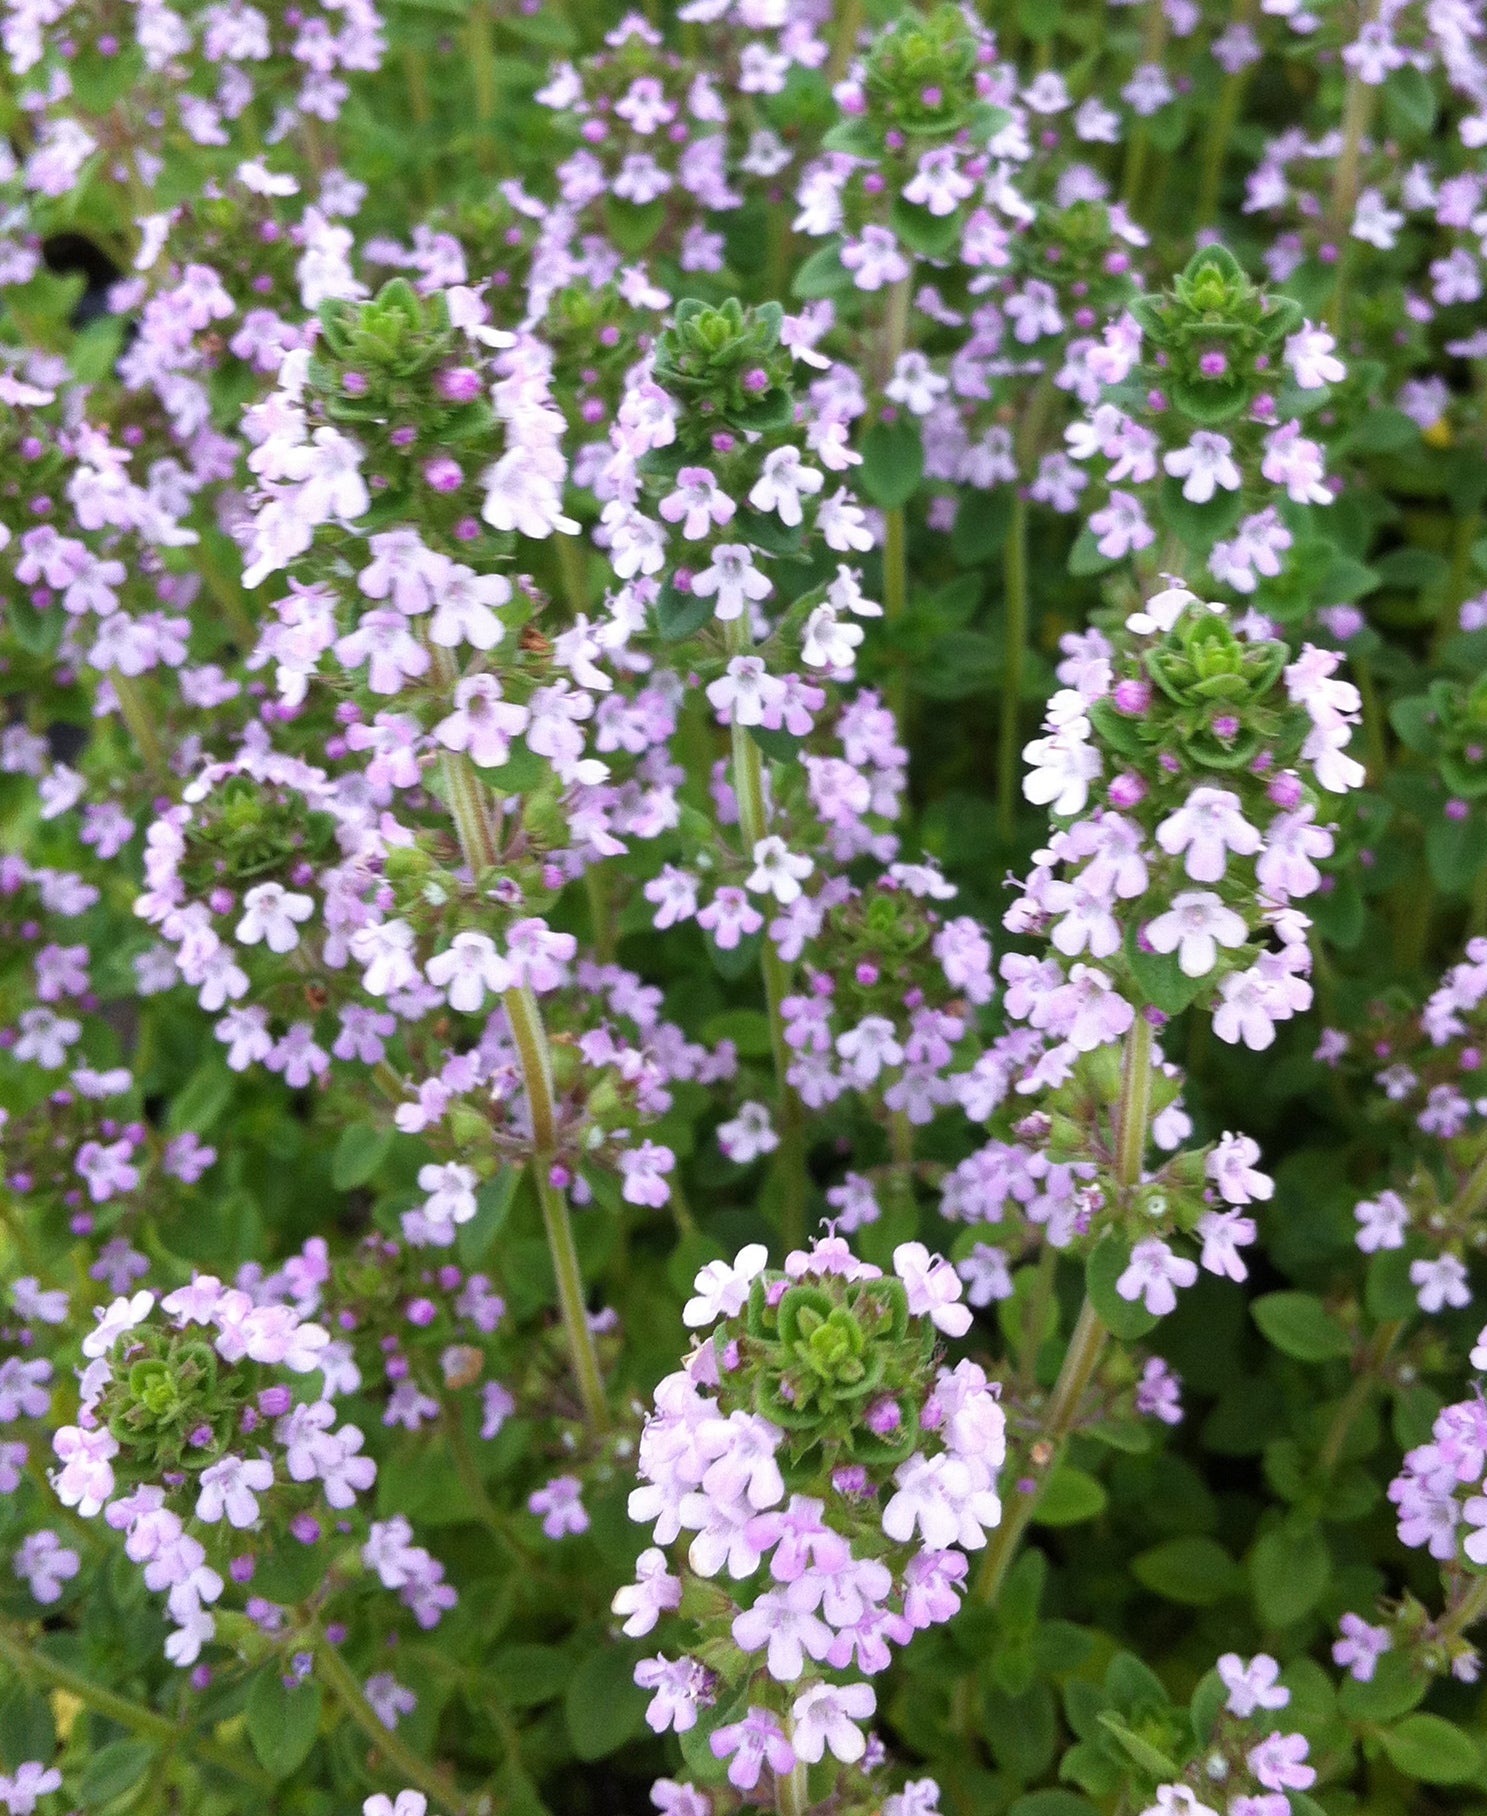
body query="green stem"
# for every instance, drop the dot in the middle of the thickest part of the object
(482, 49)
(136, 716)
(1080, 1361)
(573, 571)
(1357, 1397)
(753, 820)
(844, 42)
(1133, 1113)
(791, 1797)
(1035, 1314)
(1458, 585)
(149, 1723)
(896, 596)
(1087, 1345)
(1153, 43)
(468, 1471)
(1359, 102)
(894, 334)
(1468, 1611)
(467, 803)
(1472, 1197)
(601, 916)
(228, 594)
(339, 1679)
(1375, 745)
(1216, 144)
(1014, 643)
(525, 1020)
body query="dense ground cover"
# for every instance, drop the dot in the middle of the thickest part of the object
(743, 907)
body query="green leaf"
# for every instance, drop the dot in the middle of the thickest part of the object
(892, 463)
(1127, 1319)
(1199, 526)
(1160, 975)
(632, 227)
(1085, 558)
(287, 1572)
(748, 1029)
(823, 274)
(1193, 1570)
(1382, 430)
(932, 236)
(358, 1154)
(1388, 1291)
(1456, 851)
(1432, 1750)
(603, 1706)
(113, 1772)
(1149, 1758)
(27, 1730)
(202, 1099)
(282, 1723)
(493, 1201)
(1207, 1705)
(525, 1677)
(1052, 1802)
(1393, 1690)
(1070, 1497)
(1299, 1325)
(1409, 102)
(1289, 1571)
(780, 746)
(679, 614)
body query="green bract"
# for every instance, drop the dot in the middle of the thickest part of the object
(242, 834)
(1217, 700)
(172, 1405)
(824, 1358)
(728, 367)
(1215, 312)
(920, 75)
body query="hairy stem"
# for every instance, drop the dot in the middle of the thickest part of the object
(1014, 642)
(1087, 1345)
(896, 596)
(1359, 104)
(849, 21)
(1153, 43)
(468, 804)
(893, 334)
(1380, 1345)
(136, 716)
(525, 1019)
(791, 1798)
(340, 1680)
(753, 820)
(1225, 117)
(1468, 1611)
(149, 1724)
(482, 49)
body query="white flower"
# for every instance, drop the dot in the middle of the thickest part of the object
(783, 483)
(1204, 465)
(826, 1715)
(121, 1315)
(451, 1190)
(1194, 927)
(722, 1290)
(778, 871)
(269, 914)
(469, 968)
(934, 1288)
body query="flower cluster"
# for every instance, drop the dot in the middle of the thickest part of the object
(814, 1431)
